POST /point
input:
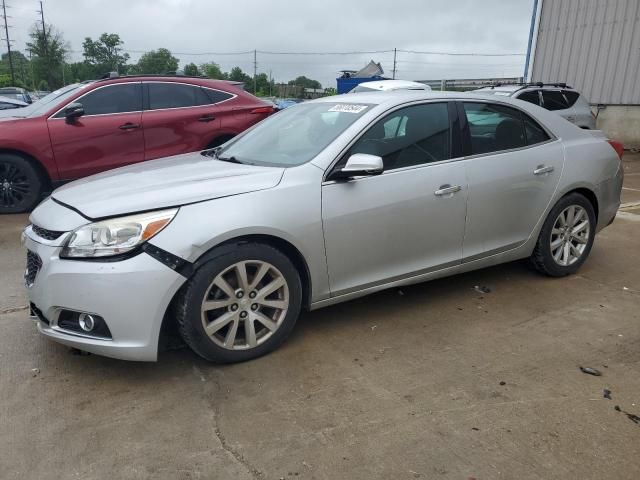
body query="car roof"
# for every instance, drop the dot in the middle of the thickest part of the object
(403, 96)
(384, 85)
(518, 87)
(13, 101)
(12, 90)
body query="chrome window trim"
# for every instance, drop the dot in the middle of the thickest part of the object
(53, 116)
(370, 124)
(233, 95)
(552, 138)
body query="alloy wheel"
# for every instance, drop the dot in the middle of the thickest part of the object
(570, 235)
(245, 304)
(14, 185)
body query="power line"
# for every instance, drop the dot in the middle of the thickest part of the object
(8, 40)
(460, 54)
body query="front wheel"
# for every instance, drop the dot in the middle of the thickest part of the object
(566, 237)
(20, 184)
(241, 304)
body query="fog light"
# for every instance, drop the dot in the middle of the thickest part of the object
(86, 321)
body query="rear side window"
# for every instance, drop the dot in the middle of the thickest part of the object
(494, 127)
(530, 96)
(554, 100)
(216, 96)
(176, 95)
(572, 97)
(534, 132)
(119, 98)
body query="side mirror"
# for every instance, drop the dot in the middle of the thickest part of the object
(73, 111)
(358, 165)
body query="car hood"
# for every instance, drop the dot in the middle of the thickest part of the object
(167, 182)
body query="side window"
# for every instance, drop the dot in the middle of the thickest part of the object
(554, 100)
(571, 96)
(410, 136)
(534, 132)
(494, 127)
(119, 98)
(531, 96)
(175, 95)
(216, 96)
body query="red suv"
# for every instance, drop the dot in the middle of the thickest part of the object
(89, 127)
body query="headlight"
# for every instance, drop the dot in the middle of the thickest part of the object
(116, 235)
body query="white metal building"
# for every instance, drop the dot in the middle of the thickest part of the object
(594, 46)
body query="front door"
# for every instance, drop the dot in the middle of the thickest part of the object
(408, 220)
(513, 171)
(108, 135)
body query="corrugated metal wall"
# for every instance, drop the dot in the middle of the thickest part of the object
(593, 45)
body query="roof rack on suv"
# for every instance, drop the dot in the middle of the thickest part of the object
(531, 84)
(112, 75)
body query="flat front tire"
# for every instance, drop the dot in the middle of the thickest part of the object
(241, 304)
(566, 237)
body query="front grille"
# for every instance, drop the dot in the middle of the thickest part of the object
(44, 233)
(34, 263)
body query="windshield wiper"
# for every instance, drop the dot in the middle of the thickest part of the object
(231, 159)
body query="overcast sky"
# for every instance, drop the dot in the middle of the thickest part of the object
(200, 26)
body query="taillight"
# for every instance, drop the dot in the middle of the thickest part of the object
(262, 110)
(618, 147)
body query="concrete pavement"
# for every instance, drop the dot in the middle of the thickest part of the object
(435, 380)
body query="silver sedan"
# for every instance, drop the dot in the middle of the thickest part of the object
(323, 202)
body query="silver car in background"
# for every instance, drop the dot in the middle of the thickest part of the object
(321, 203)
(556, 97)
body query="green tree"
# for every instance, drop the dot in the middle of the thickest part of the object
(156, 61)
(105, 54)
(237, 75)
(191, 69)
(79, 71)
(305, 82)
(21, 67)
(48, 50)
(212, 70)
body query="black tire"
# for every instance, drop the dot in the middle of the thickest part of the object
(189, 301)
(542, 259)
(20, 184)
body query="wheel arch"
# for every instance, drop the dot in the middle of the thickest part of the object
(589, 195)
(42, 171)
(168, 326)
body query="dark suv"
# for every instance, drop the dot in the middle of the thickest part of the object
(85, 128)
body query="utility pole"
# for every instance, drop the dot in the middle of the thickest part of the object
(8, 40)
(255, 71)
(395, 52)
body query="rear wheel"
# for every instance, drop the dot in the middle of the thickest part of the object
(240, 305)
(20, 184)
(566, 237)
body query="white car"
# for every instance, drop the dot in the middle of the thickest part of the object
(388, 85)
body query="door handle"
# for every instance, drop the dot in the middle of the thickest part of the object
(129, 126)
(206, 118)
(447, 190)
(541, 170)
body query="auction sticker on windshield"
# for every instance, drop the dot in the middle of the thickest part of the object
(347, 108)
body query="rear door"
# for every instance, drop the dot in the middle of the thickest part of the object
(513, 168)
(179, 117)
(108, 135)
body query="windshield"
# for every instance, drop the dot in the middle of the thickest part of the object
(293, 136)
(52, 100)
